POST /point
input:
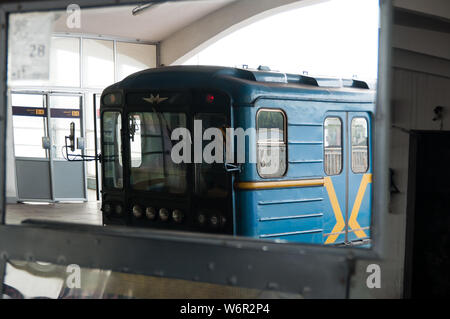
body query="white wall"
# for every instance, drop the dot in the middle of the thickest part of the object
(420, 83)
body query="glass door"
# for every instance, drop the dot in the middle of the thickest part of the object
(31, 146)
(68, 177)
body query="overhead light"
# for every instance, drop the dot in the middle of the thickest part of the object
(141, 8)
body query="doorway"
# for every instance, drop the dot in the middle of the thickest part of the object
(41, 122)
(427, 259)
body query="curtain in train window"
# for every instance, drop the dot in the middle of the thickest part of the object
(271, 143)
(333, 146)
(360, 145)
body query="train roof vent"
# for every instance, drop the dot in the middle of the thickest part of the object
(263, 68)
(329, 82)
(315, 81)
(352, 83)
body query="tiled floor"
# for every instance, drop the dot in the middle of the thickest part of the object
(80, 213)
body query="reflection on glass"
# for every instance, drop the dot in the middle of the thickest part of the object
(38, 280)
(152, 168)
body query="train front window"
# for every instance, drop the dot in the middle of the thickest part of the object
(152, 168)
(210, 177)
(112, 144)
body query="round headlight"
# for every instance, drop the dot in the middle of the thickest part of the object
(177, 215)
(119, 209)
(137, 211)
(214, 220)
(201, 219)
(107, 208)
(163, 214)
(150, 212)
(222, 220)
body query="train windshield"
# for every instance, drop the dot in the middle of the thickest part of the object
(152, 168)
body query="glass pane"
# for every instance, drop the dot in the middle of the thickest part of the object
(133, 57)
(37, 280)
(270, 126)
(29, 124)
(112, 124)
(211, 179)
(157, 172)
(333, 146)
(360, 145)
(98, 63)
(65, 62)
(63, 111)
(271, 144)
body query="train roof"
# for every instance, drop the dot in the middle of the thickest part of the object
(246, 85)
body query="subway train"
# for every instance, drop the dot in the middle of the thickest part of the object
(261, 154)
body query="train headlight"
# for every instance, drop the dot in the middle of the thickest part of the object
(119, 209)
(107, 208)
(214, 220)
(137, 211)
(201, 218)
(164, 214)
(222, 220)
(150, 212)
(177, 215)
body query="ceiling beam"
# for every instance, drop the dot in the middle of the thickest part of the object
(187, 42)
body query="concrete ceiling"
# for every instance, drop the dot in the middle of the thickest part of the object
(153, 25)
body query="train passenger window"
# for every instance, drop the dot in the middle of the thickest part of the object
(271, 143)
(333, 146)
(113, 172)
(360, 145)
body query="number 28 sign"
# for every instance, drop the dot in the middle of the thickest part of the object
(29, 43)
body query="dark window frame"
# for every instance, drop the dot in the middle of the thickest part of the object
(97, 247)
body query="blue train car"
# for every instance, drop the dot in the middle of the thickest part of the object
(318, 190)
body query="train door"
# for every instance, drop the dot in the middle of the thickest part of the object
(347, 178)
(359, 177)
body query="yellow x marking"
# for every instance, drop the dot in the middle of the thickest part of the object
(367, 178)
(340, 223)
